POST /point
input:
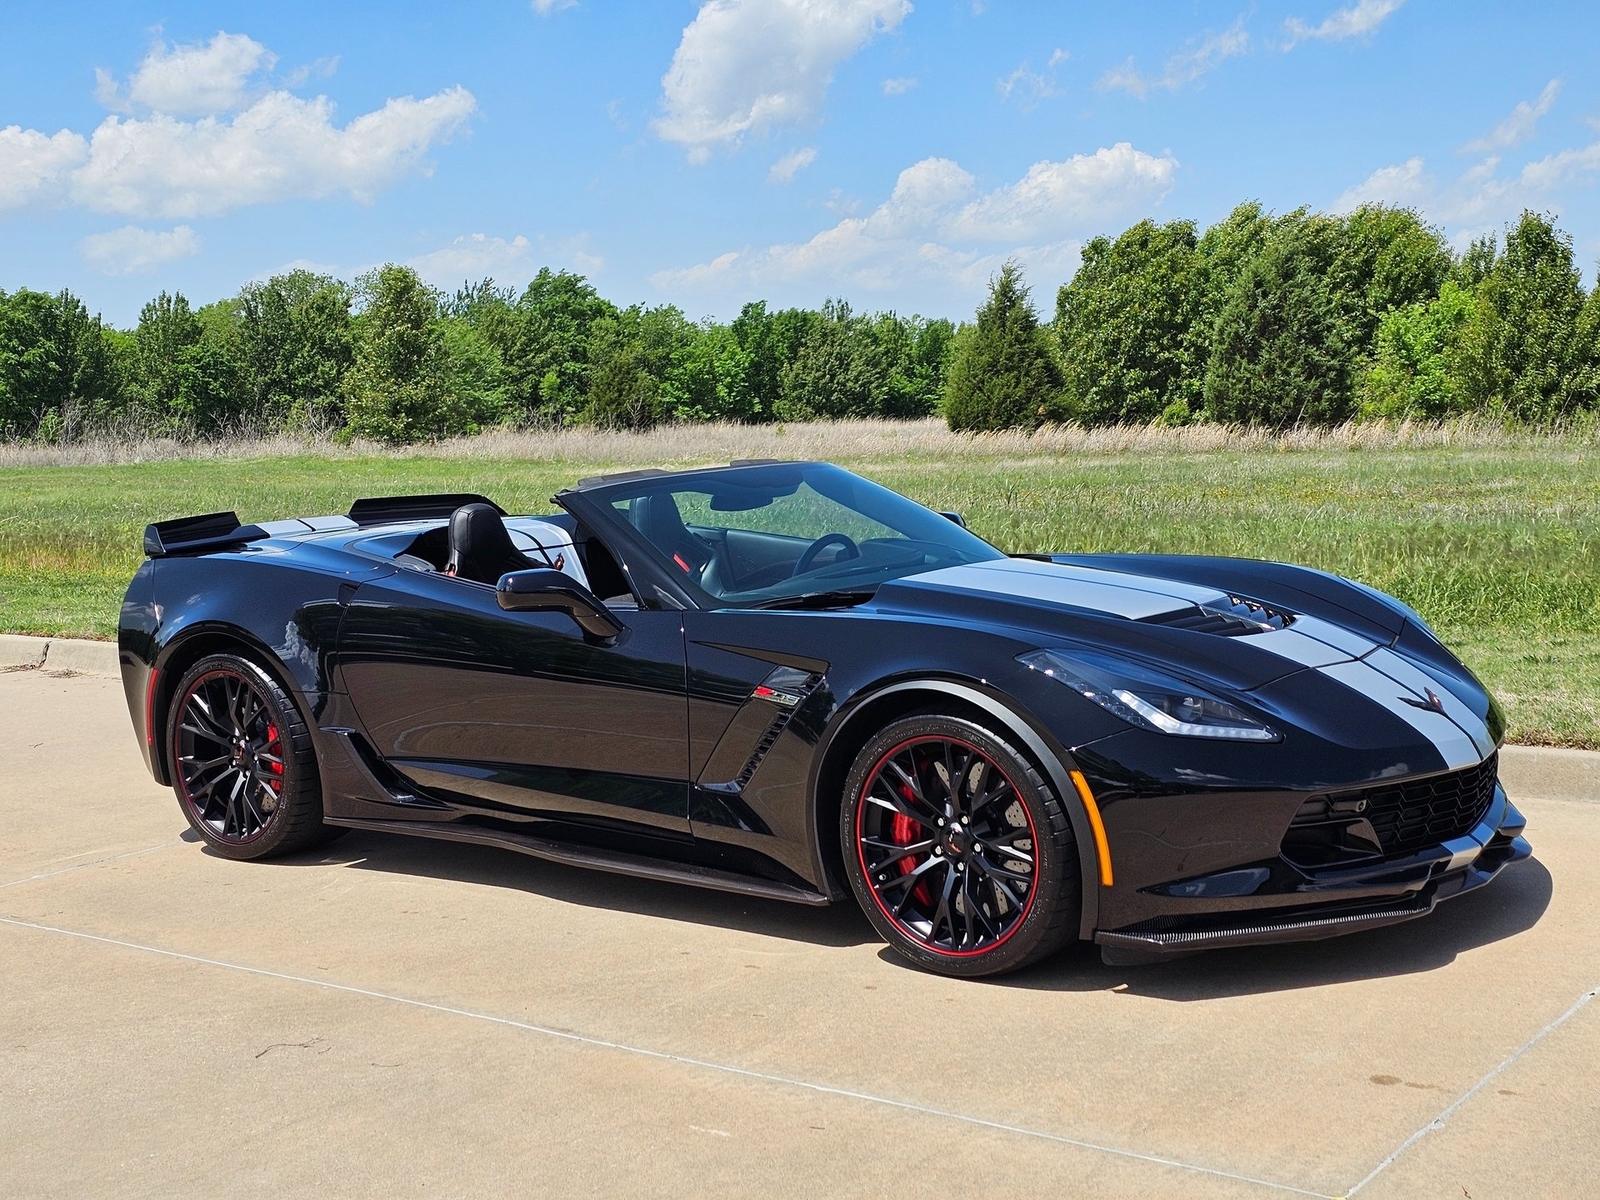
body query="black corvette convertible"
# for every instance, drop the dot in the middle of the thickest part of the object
(783, 680)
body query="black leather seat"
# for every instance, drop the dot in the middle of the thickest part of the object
(656, 516)
(480, 547)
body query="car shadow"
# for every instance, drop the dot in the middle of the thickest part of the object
(1509, 905)
(490, 866)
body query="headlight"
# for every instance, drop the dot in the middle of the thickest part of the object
(1148, 698)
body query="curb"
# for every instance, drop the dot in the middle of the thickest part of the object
(81, 657)
(1542, 771)
(1550, 773)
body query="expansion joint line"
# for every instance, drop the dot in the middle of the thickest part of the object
(84, 866)
(1439, 1121)
(567, 1035)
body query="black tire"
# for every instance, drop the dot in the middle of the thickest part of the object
(955, 896)
(243, 765)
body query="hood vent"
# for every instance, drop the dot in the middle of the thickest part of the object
(1241, 618)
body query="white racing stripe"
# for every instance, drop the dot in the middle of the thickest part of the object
(1297, 647)
(1106, 592)
(1454, 746)
(1329, 634)
(1421, 684)
(1342, 655)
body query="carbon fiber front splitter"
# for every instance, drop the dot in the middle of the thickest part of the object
(1460, 865)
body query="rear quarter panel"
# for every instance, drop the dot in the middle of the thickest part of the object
(280, 599)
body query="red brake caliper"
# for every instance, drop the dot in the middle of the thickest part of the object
(902, 832)
(276, 749)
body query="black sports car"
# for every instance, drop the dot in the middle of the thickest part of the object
(783, 680)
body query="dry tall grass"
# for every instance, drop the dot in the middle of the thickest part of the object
(841, 441)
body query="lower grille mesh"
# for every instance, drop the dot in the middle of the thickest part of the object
(1416, 813)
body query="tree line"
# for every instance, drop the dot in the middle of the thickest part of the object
(1275, 321)
(1299, 318)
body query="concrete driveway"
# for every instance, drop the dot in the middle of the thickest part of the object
(391, 1017)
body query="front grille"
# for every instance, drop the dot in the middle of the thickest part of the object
(1240, 618)
(1412, 814)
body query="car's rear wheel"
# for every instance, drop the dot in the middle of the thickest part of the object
(958, 850)
(244, 768)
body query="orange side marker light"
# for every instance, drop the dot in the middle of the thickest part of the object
(1102, 847)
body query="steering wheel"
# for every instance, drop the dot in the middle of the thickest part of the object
(809, 555)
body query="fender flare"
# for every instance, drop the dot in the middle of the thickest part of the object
(1057, 765)
(265, 655)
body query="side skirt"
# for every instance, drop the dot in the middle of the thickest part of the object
(616, 861)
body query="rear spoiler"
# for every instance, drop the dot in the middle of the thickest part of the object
(380, 510)
(196, 535)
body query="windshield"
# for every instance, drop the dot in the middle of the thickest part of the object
(749, 536)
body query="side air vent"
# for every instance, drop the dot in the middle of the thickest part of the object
(1240, 618)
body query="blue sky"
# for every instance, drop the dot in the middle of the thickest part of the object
(887, 151)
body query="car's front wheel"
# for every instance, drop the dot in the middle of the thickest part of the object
(244, 769)
(960, 853)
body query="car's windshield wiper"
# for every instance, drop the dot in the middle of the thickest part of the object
(830, 599)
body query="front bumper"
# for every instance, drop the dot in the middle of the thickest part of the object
(1339, 901)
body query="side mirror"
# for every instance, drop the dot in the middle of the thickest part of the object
(542, 589)
(956, 517)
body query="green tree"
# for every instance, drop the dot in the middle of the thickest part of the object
(296, 339)
(416, 375)
(1525, 352)
(1473, 267)
(840, 369)
(1124, 325)
(1286, 344)
(915, 353)
(59, 371)
(545, 346)
(1413, 373)
(186, 374)
(1003, 373)
(1391, 260)
(623, 392)
(767, 342)
(929, 365)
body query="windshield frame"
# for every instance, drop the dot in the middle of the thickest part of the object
(594, 500)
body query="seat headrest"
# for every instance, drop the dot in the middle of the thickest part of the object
(657, 517)
(480, 547)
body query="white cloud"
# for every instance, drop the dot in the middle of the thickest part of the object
(939, 231)
(509, 261)
(320, 68)
(791, 164)
(1519, 126)
(547, 8)
(1030, 85)
(472, 256)
(278, 147)
(1560, 169)
(701, 273)
(1056, 196)
(746, 66)
(134, 251)
(1481, 198)
(1358, 20)
(1182, 68)
(1405, 184)
(898, 86)
(199, 80)
(34, 166)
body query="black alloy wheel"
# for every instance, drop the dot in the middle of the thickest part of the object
(961, 855)
(243, 766)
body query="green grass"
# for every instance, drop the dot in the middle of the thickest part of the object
(1497, 546)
